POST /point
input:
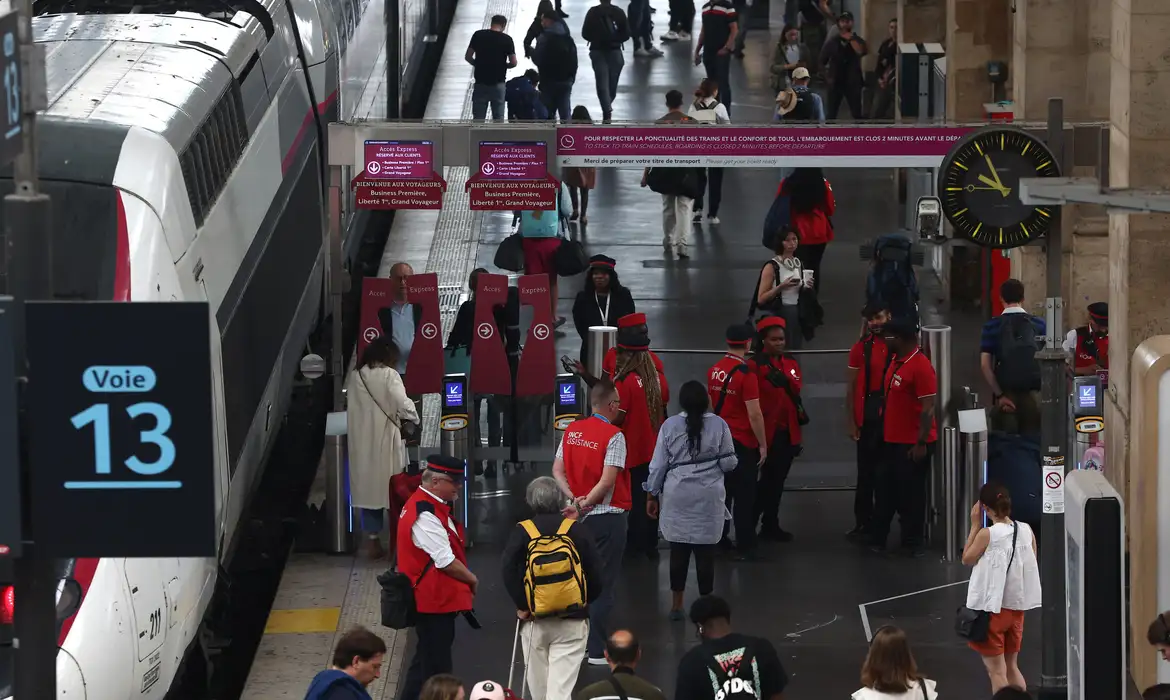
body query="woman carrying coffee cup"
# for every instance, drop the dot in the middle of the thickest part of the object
(780, 283)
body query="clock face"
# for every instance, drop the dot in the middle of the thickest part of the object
(980, 184)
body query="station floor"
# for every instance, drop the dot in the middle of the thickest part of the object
(816, 597)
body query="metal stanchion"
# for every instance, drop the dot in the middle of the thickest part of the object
(601, 339)
(973, 427)
(936, 343)
(952, 511)
(335, 458)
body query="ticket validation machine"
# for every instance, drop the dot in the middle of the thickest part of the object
(455, 429)
(1095, 588)
(568, 404)
(1088, 411)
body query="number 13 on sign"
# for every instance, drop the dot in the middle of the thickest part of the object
(98, 415)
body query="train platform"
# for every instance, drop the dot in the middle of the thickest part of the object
(816, 597)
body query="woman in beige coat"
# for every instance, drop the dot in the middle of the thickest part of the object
(377, 407)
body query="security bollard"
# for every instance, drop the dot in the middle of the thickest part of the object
(601, 339)
(973, 428)
(335, 458)
(936, 343)
(952, 510)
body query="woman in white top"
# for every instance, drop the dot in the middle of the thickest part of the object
(779, 290)
(1005, 582)
(889, 671)
(377, 407)
(707, 108)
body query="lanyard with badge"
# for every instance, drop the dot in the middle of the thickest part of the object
(604, 313)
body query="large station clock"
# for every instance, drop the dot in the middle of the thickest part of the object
(979, 185)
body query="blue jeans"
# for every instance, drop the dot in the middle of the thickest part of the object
(607, 67)
(483, 95)
(719, 69)
(609, 534)
(373, 520)
(557, 98)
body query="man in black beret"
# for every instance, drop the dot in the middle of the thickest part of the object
(1089, 344)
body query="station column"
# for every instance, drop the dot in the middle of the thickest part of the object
(1139, 250)
(978, 31)
(1062, 50)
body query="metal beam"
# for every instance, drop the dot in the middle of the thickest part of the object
(1057, 191)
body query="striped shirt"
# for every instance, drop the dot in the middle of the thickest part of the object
(718, 18)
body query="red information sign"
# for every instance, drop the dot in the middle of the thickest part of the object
(513, 195)
(377, 295)
(490, 373)
(536, 375)
(424, 367)
(382, 194)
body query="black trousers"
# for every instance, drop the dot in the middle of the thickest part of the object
(781, 453)
(741, 485)
(848, 90)
(642, 534)
(713, 185)
(719, 69)
(680, 561)
(869, 454)
(432, 654)
(900, 488)
(682, 15)
(810, 259)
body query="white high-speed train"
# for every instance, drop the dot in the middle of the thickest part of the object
(182, 150)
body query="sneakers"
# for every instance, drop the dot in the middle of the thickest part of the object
(670, 36)
(597, 661)
(648, 53)
(697, 218)
(684, 36)
(712, 219)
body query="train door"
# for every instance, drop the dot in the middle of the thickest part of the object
(149, 602)
(223, 479)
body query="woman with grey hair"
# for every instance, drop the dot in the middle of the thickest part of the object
(554, 646)
(686, 490)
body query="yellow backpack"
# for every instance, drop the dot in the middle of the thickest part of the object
(554, 583)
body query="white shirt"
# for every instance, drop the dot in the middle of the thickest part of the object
(615, 456)
(709, 110)
(992, 586)
(429, 535)
(1070, 341)
(914, 693)
(789, 268)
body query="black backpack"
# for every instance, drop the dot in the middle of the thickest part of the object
(803, 111)
(810, 13)
(558, 62)
(1016, 368)
(741, 685)
(892, 278)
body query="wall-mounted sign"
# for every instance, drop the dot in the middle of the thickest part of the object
(121, 429)
(399, 175)
(12, 141)
(512, 176)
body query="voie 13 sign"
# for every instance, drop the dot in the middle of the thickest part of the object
(121, 429)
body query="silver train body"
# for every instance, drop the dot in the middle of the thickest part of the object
(183, 154)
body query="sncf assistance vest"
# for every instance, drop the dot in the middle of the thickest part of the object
(583, 451)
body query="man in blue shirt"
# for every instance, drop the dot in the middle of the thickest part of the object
(357, 662)
(399, 320)
(1008, 363)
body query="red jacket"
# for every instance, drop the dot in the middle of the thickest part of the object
(777, 406)
(640, 431)
(814, 226)
(435, 592)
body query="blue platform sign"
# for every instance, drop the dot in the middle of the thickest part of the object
(120, 424)
(12, 142)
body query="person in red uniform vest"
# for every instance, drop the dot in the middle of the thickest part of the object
(779, 379)
(1089, 344)
(635, 325)
(590, 467)
(910, 434)
(640, 385)
(735, 397)
(868, 360)
(431, 553)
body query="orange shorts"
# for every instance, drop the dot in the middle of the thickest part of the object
(1005, 634)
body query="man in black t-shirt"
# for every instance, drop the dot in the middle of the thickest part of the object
(842, 58)
(716, 45)
(723, 657)
(492, 52)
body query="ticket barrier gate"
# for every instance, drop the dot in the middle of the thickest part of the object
(1095, 588)
(1088, 421)
(568, 406)
(455, 433)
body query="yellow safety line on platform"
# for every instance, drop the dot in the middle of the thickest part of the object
(306, 621)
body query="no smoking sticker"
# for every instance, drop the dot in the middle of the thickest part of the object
(1053, 496)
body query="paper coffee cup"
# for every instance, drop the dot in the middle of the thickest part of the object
(808, 277)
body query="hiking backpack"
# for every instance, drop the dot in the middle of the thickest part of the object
(558, 61)
(554, 581)
(523, 100)
(892, 279)
(1016, 368)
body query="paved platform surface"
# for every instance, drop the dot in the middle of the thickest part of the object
(810, 596)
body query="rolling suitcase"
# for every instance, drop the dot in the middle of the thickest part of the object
(517, 644)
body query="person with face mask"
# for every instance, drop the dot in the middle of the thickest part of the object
(864, 397)
(780, 383)
(603, 300)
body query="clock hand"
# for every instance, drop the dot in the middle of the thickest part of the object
(991, 166)
(995, 185)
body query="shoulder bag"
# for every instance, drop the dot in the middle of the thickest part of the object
(407, 432)
(973, 625)
(398, 607)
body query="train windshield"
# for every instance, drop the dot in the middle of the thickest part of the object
(68, 600)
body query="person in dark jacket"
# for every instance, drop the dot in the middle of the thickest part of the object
(357, 662)
(603, 300)
(553, 646)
